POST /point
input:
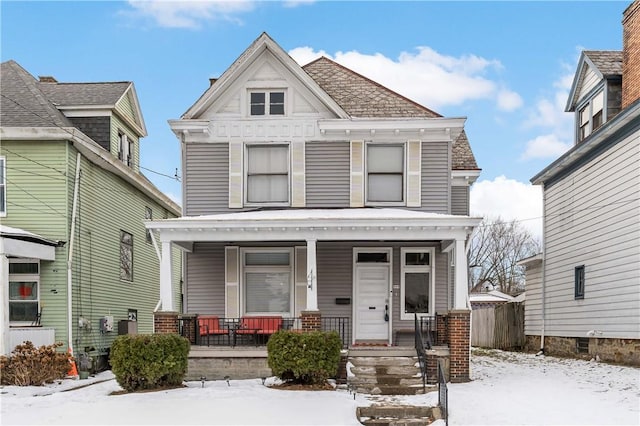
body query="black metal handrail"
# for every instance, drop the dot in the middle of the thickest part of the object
(204, 330)
(421, 353)
(443, 394)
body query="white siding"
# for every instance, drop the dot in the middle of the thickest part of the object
(533, 303)
(593, 219)
(589, 81)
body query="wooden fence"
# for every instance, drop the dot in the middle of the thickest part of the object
(501, 327)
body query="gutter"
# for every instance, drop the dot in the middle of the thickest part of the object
(544, 268)
(70, 256)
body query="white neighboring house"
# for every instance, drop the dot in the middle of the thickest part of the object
(583, 291)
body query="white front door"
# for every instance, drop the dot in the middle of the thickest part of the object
(371, 302)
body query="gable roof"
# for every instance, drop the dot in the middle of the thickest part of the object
(23, 103)
(85, 94)
(262, 43)
(605, 63)
(361, 97)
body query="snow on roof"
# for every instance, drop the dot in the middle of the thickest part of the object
(490, 296)
(323, 214)
(21, 234)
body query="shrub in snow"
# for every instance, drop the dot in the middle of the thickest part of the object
(149, 361)
(308, 358)
(31, 366)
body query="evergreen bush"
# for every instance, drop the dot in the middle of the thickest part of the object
(306, 358)
(31, 366)
(149, 361)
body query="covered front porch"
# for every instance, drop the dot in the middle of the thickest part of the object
(365, 273)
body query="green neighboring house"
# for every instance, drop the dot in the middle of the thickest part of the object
(77, 264)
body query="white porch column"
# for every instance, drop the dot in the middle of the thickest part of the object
(166, 289)
(312, 277)
(461, 285)
(4, 304)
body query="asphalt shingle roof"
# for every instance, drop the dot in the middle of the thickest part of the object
(364, 98)
(65, 94)
(608, 62)
(23, 103)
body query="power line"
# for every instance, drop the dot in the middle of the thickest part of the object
(33, 196)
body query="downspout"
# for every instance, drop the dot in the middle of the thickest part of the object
(70, 256)
(544, 268)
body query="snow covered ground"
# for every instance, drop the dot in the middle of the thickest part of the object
(507, 389)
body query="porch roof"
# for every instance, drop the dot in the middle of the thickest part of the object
(20, 243)
(317, 224)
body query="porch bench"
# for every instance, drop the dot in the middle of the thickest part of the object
(258, 326)
(209, 325)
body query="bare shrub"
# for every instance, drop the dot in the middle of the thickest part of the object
(31, 366)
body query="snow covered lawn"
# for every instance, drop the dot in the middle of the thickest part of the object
(507, 389)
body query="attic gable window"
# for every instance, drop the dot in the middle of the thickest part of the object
(3, 188)
(591, 116)
(266, 103)
(125, 148)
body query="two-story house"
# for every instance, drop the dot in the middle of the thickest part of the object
(314, 193)
(76, 257)
(583, 291)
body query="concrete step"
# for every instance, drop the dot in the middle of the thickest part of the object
(395, 361)
(379, 389)
(397, 415)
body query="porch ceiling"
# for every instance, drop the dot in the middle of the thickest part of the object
(366, 224)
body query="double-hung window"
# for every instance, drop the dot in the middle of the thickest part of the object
(417, 282)
(385, 168)
(267, 177)
(591, 116)
(267, 275)
(3, 187)
(148, 215)
(125, 148)
(24, 291)
(267, 103)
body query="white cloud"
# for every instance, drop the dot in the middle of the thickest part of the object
(545, 146)
(509, 100)
(296, 3)
(426, 76)
(188, 14)
(509, 199)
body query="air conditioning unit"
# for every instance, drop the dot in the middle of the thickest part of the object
(106, 324)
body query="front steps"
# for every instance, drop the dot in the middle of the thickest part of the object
(385, 375)
(397, 415)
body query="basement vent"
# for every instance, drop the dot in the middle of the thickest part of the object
(582, 345)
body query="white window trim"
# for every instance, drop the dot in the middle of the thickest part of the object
(244, 268)
(3, 185)
(404, 175)
(120, 257)
(25, 277)
(267, 102)
(245, 175)
(588, 105)
(417, 268)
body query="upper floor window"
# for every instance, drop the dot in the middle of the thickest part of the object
(591, 116)
(125, 149)
(3, 187)
(267, 103)
(385, 168)
(24, 291)
(267, 176)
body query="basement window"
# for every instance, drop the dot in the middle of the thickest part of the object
(582, 345)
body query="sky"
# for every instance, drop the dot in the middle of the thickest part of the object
(505, 66)
(507, 388)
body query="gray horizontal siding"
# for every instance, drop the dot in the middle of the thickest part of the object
(335, 275)
(205, 279)
(593, 220)
(327, 174)
(435, 177)
(206, 178)
(460, 200)
(533, 305)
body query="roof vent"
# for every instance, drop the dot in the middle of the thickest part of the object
(47, 79)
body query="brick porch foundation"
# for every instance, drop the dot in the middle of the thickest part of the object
(165, 322)
(311, 320)
(458, 327)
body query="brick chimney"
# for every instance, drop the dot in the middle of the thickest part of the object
(631, 54)
(46, 79)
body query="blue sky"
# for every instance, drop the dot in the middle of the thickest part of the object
(506, 66)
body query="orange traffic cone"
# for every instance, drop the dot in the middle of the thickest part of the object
(73, 371)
